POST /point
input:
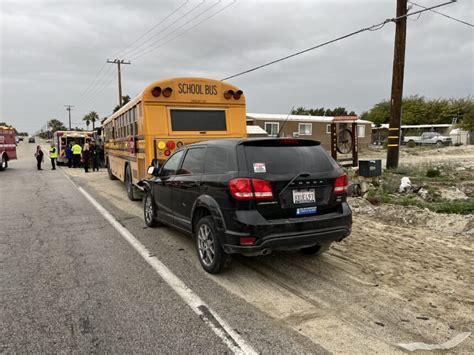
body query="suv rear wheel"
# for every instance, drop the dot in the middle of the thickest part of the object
(316, 249)
(210, 253)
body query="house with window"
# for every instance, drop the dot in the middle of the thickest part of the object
(311, 127)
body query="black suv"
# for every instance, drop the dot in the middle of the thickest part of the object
(250, 197)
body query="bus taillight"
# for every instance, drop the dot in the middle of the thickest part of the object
(228, 94)
(238, 94)
(179, 144)
(170, 145)
(167, 92)
(156, 91)
(167, 153)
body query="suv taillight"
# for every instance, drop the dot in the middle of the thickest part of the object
(249, 189)
(340, 184)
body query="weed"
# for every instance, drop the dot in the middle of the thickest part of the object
(433, 172)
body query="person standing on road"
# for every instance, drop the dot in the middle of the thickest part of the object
(94, 149)
(86, 155)
(69, 156)
(39, 155)
(53, 155)
(101, 155)
(76, 155)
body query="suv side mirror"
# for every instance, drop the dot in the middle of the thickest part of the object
(153, 170)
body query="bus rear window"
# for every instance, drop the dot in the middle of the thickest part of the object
(198, 120)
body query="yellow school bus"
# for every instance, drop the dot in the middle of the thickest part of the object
(168, 114)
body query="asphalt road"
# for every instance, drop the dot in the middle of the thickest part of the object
(70, 282)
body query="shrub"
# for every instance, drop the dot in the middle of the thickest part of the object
(433, 172)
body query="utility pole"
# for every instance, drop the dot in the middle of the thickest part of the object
(393, 146)
(68, 108)
(119, 62)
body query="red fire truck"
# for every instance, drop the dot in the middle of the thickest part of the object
(7, 146)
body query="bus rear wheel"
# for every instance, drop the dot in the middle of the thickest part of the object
(132, 191)
(109, 172)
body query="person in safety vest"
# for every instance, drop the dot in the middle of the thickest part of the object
(53, 155)
(76, 155)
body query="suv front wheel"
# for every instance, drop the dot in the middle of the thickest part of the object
(149, 210)
(210, 253)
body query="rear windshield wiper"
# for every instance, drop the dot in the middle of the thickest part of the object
(303, 174)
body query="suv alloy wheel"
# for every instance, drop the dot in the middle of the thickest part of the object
(211, 255)
(149, 210)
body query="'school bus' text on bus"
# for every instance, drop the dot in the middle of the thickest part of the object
(166, 115)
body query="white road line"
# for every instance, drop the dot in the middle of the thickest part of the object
(220, 327)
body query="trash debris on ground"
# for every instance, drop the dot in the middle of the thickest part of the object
(458, 339)
(405, 184)
(423, 193)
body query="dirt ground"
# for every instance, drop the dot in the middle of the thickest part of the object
(404, 275)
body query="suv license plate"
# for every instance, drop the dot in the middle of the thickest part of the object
(303, 196)
(305, 211)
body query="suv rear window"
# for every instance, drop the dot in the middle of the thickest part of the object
(288, 159)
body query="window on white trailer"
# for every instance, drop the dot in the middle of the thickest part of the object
(305, 129)
(272, 128)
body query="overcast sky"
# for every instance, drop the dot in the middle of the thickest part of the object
(53, 53)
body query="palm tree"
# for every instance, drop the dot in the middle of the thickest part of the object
(93, 117)
(87, 119)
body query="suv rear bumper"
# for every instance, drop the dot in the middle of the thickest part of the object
(290, 233)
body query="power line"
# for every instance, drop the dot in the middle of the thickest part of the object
(131, 54)
(370, 28)
(188, 29)
(440, 13)
(106, 83)
(98, 86)
(93, 81)
(101, 77)
(149, 31)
